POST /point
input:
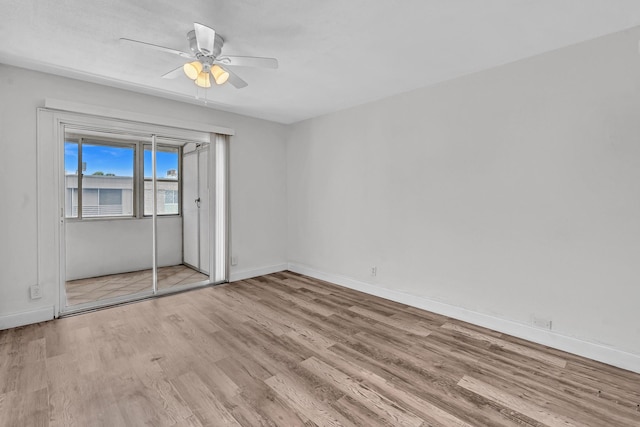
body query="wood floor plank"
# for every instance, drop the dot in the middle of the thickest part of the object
(359, 391)
(554, 398)
(293, 299)
(157, 385)
(546, 384)
(525, 351)
(439, 390)
(289, 350)
(310, 339)
(26, 408)
(265, 402)
(417, 328)
(207, 407)
(611, 386)
(63, 381)
(517, 404)
(429, 412)
(310, 408)
(358, 413)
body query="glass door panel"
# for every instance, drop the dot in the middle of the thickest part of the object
(195, 216)
(179, 237)
(107, 256)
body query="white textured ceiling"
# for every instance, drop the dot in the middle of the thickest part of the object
(333, 54)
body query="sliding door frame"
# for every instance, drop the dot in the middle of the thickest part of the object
(52, 125)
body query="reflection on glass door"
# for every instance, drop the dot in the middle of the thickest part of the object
(196, 214)
(176, 231)
(107, 254)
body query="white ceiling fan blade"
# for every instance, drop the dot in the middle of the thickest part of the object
(248, 61)
(156, 47)
(173, 73)
(235, 80)
(205, 37)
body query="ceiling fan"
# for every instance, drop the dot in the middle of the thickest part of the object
(206, 59)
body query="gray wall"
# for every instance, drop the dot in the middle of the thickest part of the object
(512, 193)
(100, 247)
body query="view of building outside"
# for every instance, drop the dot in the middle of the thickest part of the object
(167, 197)
(101, 196)
(107, 173)
(113, 196)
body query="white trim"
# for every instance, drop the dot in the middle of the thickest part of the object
(26, 318)
(109, 126)
(552, 339)
(113, 113)
(248, 274)
(50, 217)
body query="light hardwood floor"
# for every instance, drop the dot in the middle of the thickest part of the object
(288, 350)
(115, 285)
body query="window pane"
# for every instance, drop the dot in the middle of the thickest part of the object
(107, 181)
(168, 197)
(167, 163)
(167, 174)
(71, 179)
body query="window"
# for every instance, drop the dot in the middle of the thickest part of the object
(99, 179)
(167, 173)
(102, 179)
(109, 196)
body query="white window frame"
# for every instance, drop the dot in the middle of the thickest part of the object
(107, 142)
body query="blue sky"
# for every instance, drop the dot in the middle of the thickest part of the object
(115, 160)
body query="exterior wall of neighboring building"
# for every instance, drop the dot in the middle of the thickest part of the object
(168, 197)
(104, 196)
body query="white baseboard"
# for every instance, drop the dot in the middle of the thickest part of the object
(26, 318)
(248, 274)
(590, 350)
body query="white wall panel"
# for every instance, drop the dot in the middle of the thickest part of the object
(98, 248)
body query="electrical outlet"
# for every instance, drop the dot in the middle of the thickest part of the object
(234, 260)
(541, 322)
(374, 271)
(35, 291)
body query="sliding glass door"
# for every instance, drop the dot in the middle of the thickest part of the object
(140, 217)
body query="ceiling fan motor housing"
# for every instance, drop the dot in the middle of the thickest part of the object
(193, 45)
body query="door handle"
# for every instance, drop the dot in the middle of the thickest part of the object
(197, 201)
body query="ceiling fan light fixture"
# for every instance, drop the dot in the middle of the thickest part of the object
(192, 69)
(219, 74)
(205, 56)
(203, 80)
